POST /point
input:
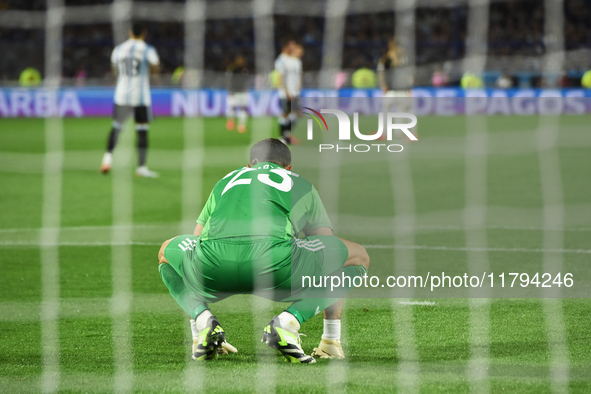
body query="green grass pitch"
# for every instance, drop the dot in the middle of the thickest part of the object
(390, 346)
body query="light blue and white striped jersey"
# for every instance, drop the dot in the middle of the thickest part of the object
(133, 59)
(291, 69)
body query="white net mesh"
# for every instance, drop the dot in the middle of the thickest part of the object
(478, 36)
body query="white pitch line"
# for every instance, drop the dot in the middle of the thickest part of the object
(477, 249)
(394, 246)
(160, 226)
(550, 176)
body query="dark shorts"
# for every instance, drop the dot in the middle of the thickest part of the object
(142, 113)
(285, 105)
(289, 106)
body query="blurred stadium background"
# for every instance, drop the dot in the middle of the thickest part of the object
(512, 37)
(82, 308)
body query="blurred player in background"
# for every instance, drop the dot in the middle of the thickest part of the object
(133, 61)
(245, 241)
(394, 57)
(237, 84)
(395, 84)
(298, 53)
(288, 67)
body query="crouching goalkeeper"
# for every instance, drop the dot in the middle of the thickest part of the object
(246, 241)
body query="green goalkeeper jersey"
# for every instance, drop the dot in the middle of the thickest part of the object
(265, 200)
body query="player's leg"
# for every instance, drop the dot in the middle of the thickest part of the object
(143, 116)
(231, 112)
(284, 122)
(120, 115)
(388, 100)
(208, 335)
(321, 256)
(356, 264)
(315, 256)
(294, 115)
(330, 343)
(242, 104)
(170, 261)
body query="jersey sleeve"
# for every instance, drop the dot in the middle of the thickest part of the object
(317, 216)
(207, 210)
(114, 57)
(280, 66)
(152, 56)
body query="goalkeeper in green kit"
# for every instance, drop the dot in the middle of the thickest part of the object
(246, 241)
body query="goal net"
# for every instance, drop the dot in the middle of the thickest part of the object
(471, 179)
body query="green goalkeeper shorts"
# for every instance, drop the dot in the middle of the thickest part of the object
(216, 269)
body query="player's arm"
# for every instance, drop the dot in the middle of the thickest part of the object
(381, 74)
(198, 229)
(301, 77)
(322, 231)
(205, 215)
(114, 68)
(280, 69)
(282, 86)
(318, 221)
(155, 73)
(154, 60)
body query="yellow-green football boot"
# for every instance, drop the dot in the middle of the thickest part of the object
(286, 341)
(210, 339)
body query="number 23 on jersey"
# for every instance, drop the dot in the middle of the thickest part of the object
(285, 185)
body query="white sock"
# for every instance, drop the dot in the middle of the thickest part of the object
(242, 115)
(108, 158)
(194, 329)
(201, 320)
(289, 322)
(332, 329)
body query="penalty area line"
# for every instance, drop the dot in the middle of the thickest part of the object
(476, 249)
(159, 226)
(415, 247)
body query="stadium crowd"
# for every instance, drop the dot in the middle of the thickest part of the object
(515, 28)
